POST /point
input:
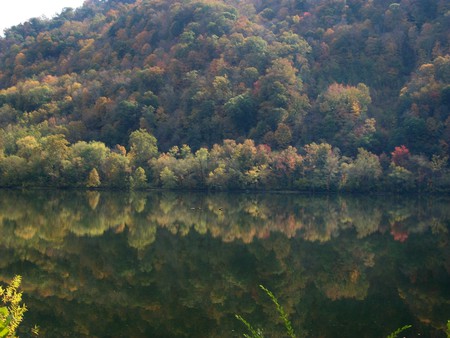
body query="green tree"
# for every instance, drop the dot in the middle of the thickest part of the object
(399, 179)
(83, 158)
(364, 173)
(202, 159)
(138, 179)
(168, 178)
(143, 147)
(242, 111)
(13, 171)
(116, 171)
(321, 165)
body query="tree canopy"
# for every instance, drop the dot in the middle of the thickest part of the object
(351, 74)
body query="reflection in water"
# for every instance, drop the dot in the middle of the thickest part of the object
(182, 264)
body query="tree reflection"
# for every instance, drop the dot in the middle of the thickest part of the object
(170, 264)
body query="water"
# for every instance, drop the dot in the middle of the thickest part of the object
(99, 264)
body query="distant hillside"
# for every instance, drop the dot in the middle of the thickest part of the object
(198, 72)
(351, 73)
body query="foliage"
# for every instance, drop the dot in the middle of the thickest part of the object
(12, 311)
(153, 75)
(231, 165)
(168, 178)
(400, 179)
(281, 312)
(344, 111)
(254, 333)
(138, 179)
(398, 331)
(257, 333)
(93, 180)
(362, 174)
(142, 147)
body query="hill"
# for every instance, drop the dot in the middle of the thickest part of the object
(347, 73)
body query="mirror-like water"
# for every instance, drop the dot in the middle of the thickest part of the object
(98, 264)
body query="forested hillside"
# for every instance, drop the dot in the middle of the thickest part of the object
(322, 94)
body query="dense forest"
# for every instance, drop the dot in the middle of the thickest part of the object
(226, 94)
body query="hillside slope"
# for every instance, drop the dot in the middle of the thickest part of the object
(351, 73)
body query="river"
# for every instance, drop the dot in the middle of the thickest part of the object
(166, 264)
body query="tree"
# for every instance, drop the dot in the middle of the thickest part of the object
(8, 115)
(143, 147)
(168, 178)
(93, 180)
(218, 178)
(287, 167)
(321, 164)
(343, 110)
(29, 148)
(138, 179)
(201, 159)
(400, 179)
(364, 173)
(242, 111)
(400, 156)
(55, 152)
(282, 136)
(116, 170)
(83, 158)
(13, 171)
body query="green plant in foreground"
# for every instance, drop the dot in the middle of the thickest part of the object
(398, 331)
(11, 313)
(283, 315)
(257, 333)
(12, 309)
(254, 333)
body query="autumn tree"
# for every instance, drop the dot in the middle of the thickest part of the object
(344, 114)
(400, 156)
(93, 180)
(54, 157)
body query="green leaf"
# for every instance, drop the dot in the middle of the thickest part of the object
(4, 311)
(255, 333)
(282, 314)
(398, 331)
(4, 332)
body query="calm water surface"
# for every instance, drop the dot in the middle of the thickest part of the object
(98, 264)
